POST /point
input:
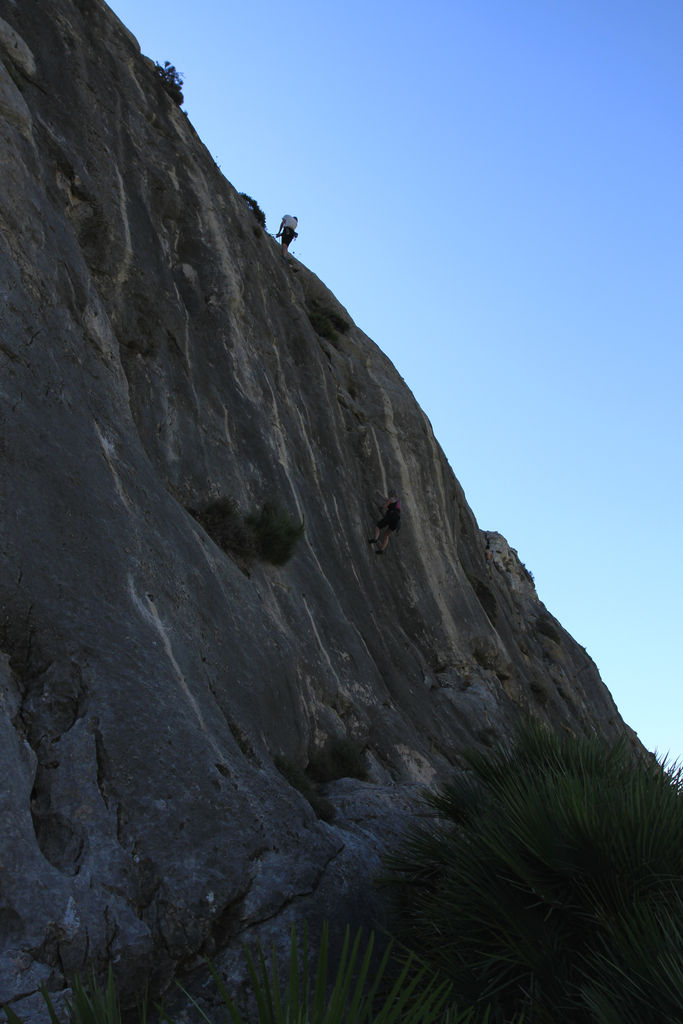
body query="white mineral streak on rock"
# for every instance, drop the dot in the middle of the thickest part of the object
(13, 106)
(16, 50)
(71, 921)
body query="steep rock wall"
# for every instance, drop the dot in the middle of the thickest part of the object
(157, 355)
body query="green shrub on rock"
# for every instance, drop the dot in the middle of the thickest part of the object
(551, 882)
(269, 534)
(255, 209)
(327, 322)
(90, 1003)
(171, 81)
(223, 523)
(275, 533)
(358, 988)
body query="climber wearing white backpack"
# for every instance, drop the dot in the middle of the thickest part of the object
(288, 232)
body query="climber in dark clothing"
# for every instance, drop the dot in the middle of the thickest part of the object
(388, 524)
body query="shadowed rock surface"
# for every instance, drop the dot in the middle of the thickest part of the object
(157, 694)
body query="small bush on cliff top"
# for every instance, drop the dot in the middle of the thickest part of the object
(551, 882)
(255, 209)
(171, 81)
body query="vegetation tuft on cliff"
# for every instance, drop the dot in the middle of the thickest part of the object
(551, 883)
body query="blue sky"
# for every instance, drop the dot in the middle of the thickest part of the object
(494, 190)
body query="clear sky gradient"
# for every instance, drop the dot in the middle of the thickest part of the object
(494, 190)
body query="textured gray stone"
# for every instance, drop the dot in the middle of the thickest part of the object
(156, 354)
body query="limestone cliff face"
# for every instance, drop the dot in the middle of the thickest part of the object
(157, 354)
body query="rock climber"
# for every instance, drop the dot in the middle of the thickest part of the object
(488, 555)
(388, 524)
(288, 232)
